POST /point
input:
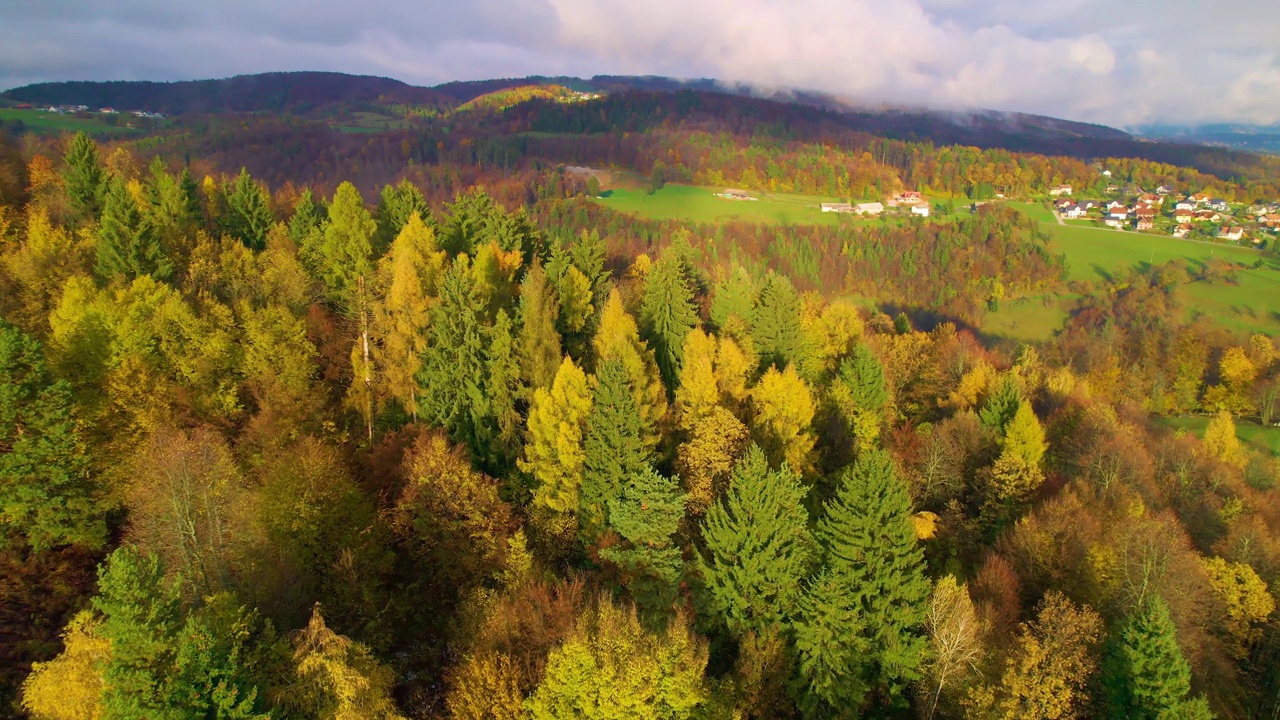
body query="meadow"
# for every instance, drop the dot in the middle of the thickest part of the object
(1250, 432)
(45, 123)
(704, 205)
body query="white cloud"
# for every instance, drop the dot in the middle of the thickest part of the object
(1170, 61)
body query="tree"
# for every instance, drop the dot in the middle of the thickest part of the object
(734, 295)
(1016, 473)
(308, 217)
(699, 391)
(869, 543)
(409, 272)
(1145, 673)
(704, 461)
(1246, 600)
(860, 392)
(611, 667)
(69, 687)
(667, 313)
(758, 548)
(553, 448)
(337, 677)
(395, 206)
(127, 245)
(452, 375)
(1237, 372)
(40, 268)
(954, 638)
(47, 496)
(502, 388)
(248, 212)
(646, 514)
(538, 341)
(84, 177)
(831, 644)
(1222, 442)
(775, 325)
(168, 210)
(341, 255)
(613, 445)
(1002, 405)
(782, 411)
(1049, 669)
(618, 339)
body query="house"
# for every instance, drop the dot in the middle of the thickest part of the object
(873, 208)
(1231, 233)
(1106, 173)
(1144, 224)
(1060, 190)
(1114, 222)
(1187, 204)
(1120, 213)
(1182, 230)
(107, 111)
(1073, 212)
(1218, 204)
(1183, 216)
(1150, 199)
(1087, 204)
(731, 194)
(1164, 190)
(1113, 205)
(1061, 203)
(908, 197)
(1199, 198)
(836, 207)
(1272, 221)
(1208, 216)
(921, 209)
(1144, 211)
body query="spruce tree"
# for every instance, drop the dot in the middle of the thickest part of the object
(308, 217)
(46, 492)
(613, 444)
(831, 645)
(776, 323)
(869, 543)
(1001, 406)
(454, 364)
(127, 244)
(667, 314)
(1145, 673)
(85, 178)
(465, 226)
(538, 342)
(248, 214)
(863, 375)
(758, 548)
(191, 195)
(343, 253)
(734, 295)
(501, 389)
(646, 514)
(395, 206)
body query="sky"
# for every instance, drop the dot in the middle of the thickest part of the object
(1122, 64)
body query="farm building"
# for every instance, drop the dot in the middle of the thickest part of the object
(836, 207)
(731, 194)
(921, 209)
(872, 208)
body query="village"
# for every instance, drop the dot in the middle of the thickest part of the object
(1195, 216)
(909, 200)
(85, 110)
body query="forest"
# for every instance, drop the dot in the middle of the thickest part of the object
(296, 424)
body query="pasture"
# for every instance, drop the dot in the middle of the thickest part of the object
(704, 205)
(1250, 432)
(42, 122)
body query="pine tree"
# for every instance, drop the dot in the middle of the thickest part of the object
(863, 374)
(538, 342)
(870, 543)
(127, 245)
(395, 206)
(553, 452)
(502, 388)
(1145, 673)
(668, 314)
(734, 295)
(758, 548)
(343, 254)
(248, 213)
(168, 210)
(308, 217)
(1001, 406)
(85, 178)
(617, 338)
(46, 492)
(646, 514)
(831, 643)
(613, 444)
(775, 325)
(191, 195)
(465, 227)
(409, 273)
(451, 378)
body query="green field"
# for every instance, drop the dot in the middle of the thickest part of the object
(1028, 319)
(1265, 439)
(703, 205)
(47, 123)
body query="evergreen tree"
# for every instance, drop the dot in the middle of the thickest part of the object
(85, 178)
(613, 445)
(734, 295)
(538, 342)
(617, 338)
(395, 206)
(758, 548)
(863, 375)
(502, 388)
(337, 677)
(46, 494)
(832, 644)
(127, 245)
(453, 369)
(248, 212)
(168, 210)
(465, 227)
(1003, 404)
(668, 314)
(308, 217)
(191, 195)
(646, 514)
(1145, 673)
(409, 273)
(776, 324)
(342, 253)
(588, 255)
(870, 544)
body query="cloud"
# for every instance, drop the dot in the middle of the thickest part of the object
(1167, 61)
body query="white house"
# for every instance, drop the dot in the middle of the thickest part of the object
(836, 207)
(1231, 233)
(1073, 212)
(1060, 190)
(1114, 222)
(1218, 204)
(872, 208)
(1185, 205)
(922, 210)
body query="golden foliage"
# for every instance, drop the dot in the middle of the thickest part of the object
(69, 687)
(1222, 443)
(782, 410)
(553, 452)
(1247, 600)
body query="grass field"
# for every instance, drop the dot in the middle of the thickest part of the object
(1266, 439)
(47, 123)
(1028, 319)
(701, 204)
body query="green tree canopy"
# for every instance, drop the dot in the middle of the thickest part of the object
(85, 178)
(248, 211)
(1145, 673)
(613, 445)
(127, 243)
(646, 514)
(667, 314)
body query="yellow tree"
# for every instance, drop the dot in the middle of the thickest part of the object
(1016, 473)
(1247, 602)
(338, 677)
(409, 274)
(495, 271)
(1222, 443)
(1237, 373)
(40, 266)
(69, 687)
(782, 411)
(705, 460)
(553, 450)
(618, 338)
(699, 391)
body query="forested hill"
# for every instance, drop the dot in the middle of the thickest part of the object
(292, 92)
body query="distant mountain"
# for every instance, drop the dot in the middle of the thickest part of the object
(1255, 138)
(292, 92)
